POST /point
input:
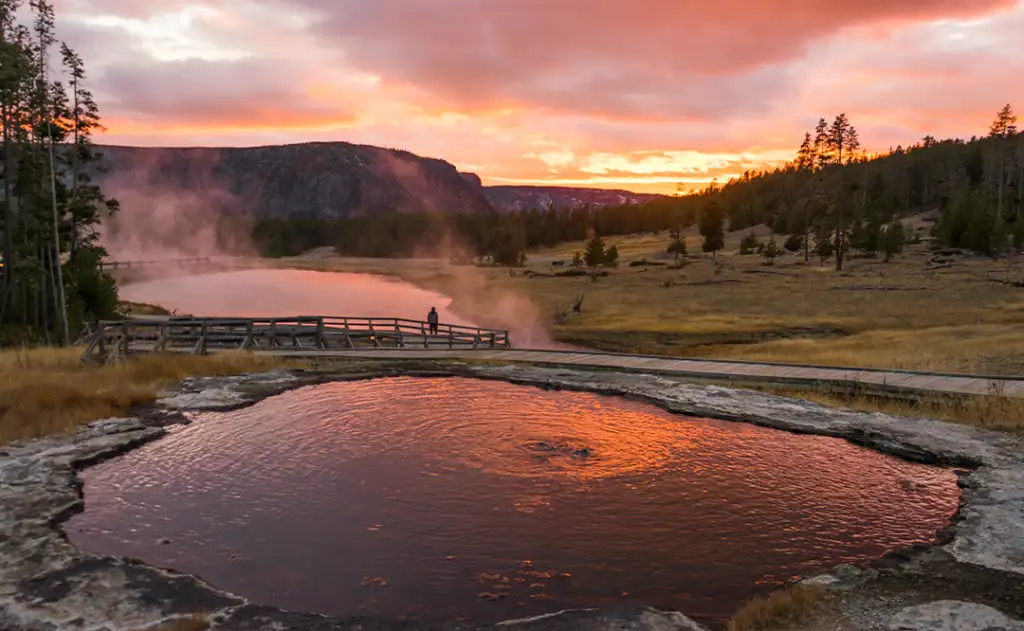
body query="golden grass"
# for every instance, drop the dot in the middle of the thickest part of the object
(992, 412)
(191, 623)
(141, 308)
(948, 319)
(907, 314)
(782, 610)
(45, 391)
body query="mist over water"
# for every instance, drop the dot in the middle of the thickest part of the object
(284, 292)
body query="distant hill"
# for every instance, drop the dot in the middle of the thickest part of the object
(325, 179)
(512, 198)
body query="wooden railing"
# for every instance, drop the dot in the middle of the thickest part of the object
(195, 260)
(117, 339)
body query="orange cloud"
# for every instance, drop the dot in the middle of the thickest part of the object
(637, 95)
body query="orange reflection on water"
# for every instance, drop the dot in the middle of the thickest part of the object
(488, 500)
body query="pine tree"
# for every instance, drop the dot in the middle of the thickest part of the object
(749, 243)
(805, 157)
(1005, 124)
(712, 227)
(1002, 130)
(770, 251)
(822, 151)
(794, 242)
(49, 289)
(894, 238)
(677, 246)
(842, 139)
(611, 256)
(594, 254)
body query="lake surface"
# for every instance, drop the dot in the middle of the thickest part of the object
(457, 499)
(286, 292)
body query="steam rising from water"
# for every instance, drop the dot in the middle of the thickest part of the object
(280, 292)
(160, 220)
(452, 498)
(199, 216)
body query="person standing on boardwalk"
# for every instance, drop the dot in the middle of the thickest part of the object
(432, 320)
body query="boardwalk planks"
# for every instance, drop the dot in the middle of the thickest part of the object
(115, 340)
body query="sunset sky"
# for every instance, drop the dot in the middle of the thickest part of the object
(636, 94)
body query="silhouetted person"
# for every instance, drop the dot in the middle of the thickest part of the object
(432, 320)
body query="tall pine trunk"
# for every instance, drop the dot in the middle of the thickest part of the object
(8, 238)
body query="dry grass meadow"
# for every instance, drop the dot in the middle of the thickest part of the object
(913, 313)
(46, 391)
(907, 314)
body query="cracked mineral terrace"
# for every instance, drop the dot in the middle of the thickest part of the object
(972, 578)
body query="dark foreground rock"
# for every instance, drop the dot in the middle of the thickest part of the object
(973, 578)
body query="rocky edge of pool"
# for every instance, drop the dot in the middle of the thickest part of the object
(971, 578)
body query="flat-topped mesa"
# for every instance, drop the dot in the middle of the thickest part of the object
(117, 339)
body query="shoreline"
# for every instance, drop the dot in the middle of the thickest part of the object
(44, 579)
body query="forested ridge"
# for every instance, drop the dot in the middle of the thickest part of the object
(51, 281)
(832, 200)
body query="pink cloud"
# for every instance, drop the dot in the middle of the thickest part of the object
(494, 85)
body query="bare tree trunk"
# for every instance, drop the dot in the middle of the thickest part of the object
(840, 236)
(807, 233)
(62, 300)
(46, 117)
(73, 244)
(999, 195)
(8, 239)
(43, 298)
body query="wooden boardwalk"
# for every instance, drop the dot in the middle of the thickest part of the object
(195, 260)
(117, 339)
(864, 380)
(324, 337)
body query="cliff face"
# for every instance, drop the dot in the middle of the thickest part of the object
(511, 198)
(329, 179)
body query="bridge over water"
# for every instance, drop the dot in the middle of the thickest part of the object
(140, 264)
(326, 337)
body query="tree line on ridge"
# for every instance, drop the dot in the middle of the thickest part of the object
(830, 201)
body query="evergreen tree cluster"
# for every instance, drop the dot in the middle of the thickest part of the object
(832, 200)
(51, 281)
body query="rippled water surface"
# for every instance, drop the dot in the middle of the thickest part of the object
(442, 499)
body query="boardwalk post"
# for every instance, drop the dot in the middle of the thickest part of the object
(200, 347)
(321, 343)
(125, 340)
(249, 340)
(492, 340)
(161, 342)
(101, 340)
(272, 340)
(348, 338)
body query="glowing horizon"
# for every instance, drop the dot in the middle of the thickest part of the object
(541, 94)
